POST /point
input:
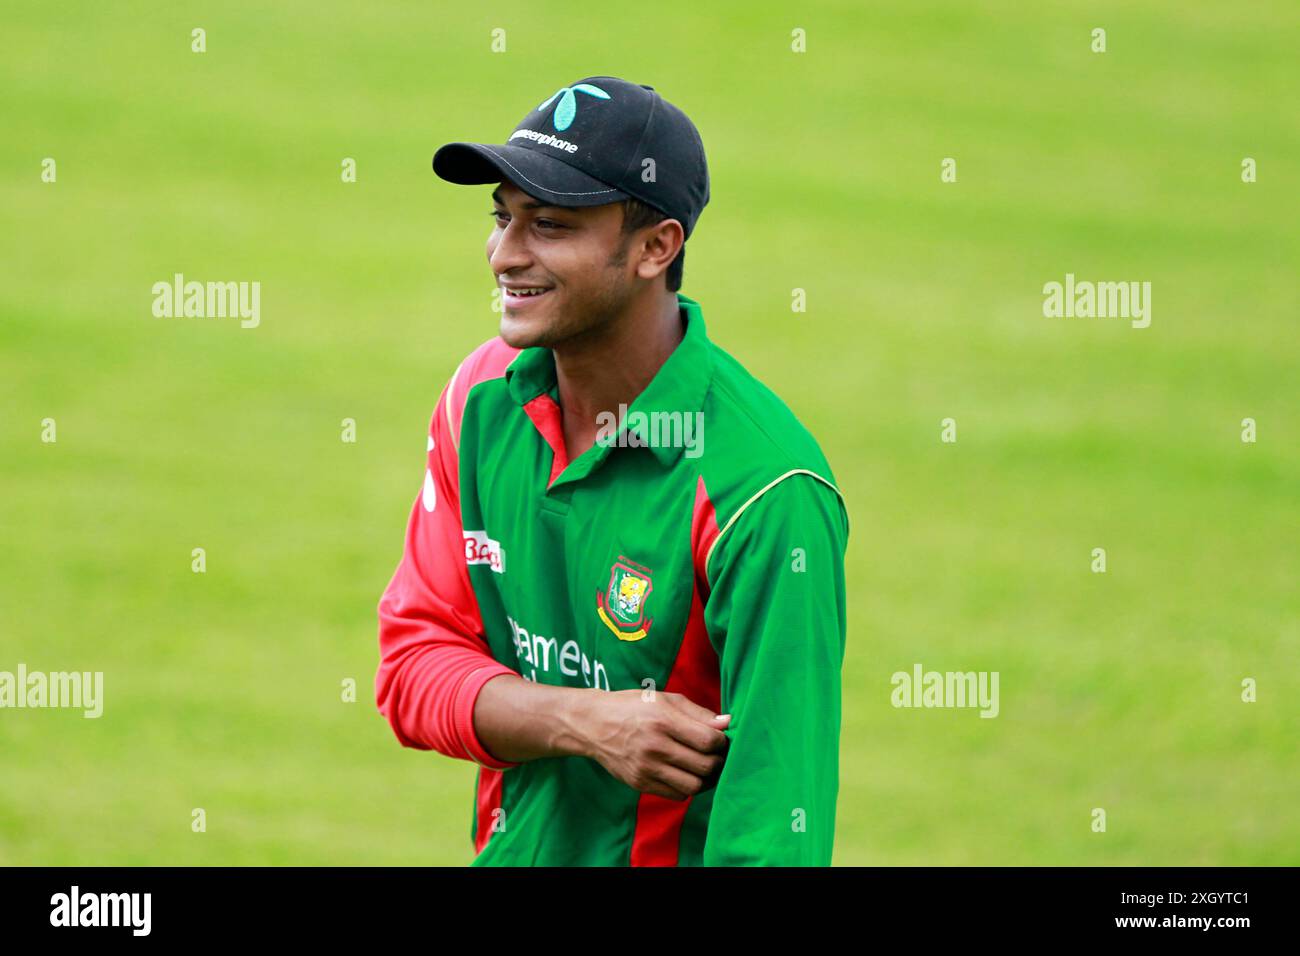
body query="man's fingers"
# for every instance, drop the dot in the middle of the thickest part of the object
(692, 733)
(694, 762)
(674, 784)
(701, 730)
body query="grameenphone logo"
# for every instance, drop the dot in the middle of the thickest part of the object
(563, 116)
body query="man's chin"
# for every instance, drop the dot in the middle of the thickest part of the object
(519, 333)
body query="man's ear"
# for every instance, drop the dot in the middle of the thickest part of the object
(660, 247)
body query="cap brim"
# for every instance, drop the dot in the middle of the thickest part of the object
(542, 177)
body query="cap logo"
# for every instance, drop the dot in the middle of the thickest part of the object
(568, 108)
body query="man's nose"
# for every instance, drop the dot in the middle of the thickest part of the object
(511, 251)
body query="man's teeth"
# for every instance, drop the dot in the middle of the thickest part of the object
(537, 291)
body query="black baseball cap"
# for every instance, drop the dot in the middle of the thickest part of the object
(596, 141)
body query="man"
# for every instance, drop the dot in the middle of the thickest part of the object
(622, 590)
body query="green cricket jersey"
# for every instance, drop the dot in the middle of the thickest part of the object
(699, 551)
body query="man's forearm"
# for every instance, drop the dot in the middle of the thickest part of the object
(518, 720)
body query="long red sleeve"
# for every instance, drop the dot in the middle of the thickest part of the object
(433, 655)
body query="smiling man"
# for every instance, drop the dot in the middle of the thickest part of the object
(640, 648)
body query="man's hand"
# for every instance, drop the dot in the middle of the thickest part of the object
(665, 745)
(658, 742)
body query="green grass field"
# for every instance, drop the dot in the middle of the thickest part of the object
(1119, 691)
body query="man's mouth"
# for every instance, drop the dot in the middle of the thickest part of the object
(519, 297)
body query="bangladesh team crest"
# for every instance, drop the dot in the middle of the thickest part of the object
(622, 604)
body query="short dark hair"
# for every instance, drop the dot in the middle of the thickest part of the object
(637, 215)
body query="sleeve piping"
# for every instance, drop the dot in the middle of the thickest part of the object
(452, 431)
(758, 494)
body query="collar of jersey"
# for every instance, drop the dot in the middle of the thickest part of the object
(679, 386)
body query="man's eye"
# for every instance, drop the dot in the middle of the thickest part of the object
(548, 224)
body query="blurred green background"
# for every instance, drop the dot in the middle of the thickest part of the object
(1118, 690)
